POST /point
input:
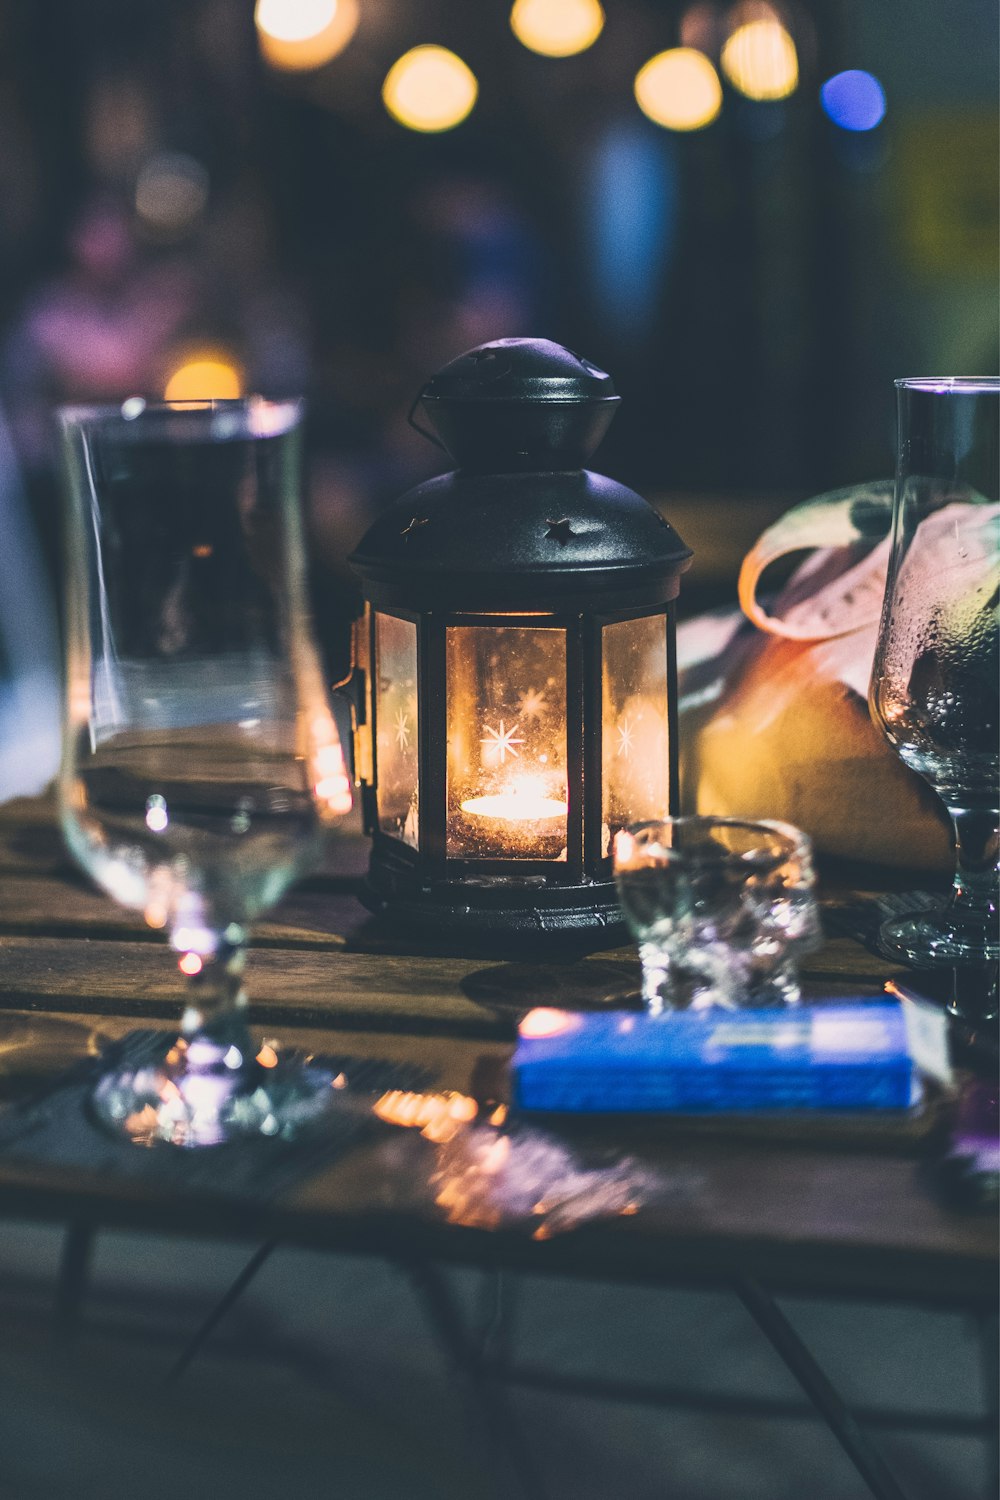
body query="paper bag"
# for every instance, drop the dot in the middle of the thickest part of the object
(774, 713)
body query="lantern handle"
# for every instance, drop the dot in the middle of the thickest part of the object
(424, 431)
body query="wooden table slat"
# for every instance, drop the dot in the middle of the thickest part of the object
(75, 970)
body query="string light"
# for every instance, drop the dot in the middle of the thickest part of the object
(203, 377)
(429, 89)
(299, 35)
(760, 60)
(557, 28)
(679, 89)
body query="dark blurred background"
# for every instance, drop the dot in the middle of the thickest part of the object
(197, 197)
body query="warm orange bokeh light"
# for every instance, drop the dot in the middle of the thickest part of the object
(296, 36)
(679, 89)
(437, 1116)
(190, 963)
(332, 785)
(205, 377)
(545, 1021)
(557, 28)
(429, 89)
(760, 60)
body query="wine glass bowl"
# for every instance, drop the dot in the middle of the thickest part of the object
(935, 685)
(201, 764)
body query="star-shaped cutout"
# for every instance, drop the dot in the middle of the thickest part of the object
(532, 703)
(500, 742)
(402, 729)
(625, 739)
(416, 522)
(559, 531)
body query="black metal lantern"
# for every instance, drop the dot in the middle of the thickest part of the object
(520, 646)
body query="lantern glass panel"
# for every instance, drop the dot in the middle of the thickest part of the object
(636, 748)
(507, 787)
(396, 726)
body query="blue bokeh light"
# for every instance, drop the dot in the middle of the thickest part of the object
(854, 100)
(633, 190)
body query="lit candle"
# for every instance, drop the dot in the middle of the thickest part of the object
(523, 800)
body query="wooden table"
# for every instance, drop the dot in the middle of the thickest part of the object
(856, 1216)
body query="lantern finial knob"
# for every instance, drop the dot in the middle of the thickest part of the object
(519, 405)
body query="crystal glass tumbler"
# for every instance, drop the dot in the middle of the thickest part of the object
(721, 910)
(935, 685)
(201, 764)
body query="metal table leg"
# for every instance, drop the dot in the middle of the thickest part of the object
(489, 1399)
(797, 1358)
(989, 1339)
(494, 1321)
(226, 1301)
(72, 1280)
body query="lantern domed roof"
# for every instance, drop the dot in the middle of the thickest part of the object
(516, 405)
(519, 370)
(520, 524)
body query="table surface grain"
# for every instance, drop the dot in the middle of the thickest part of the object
(852, 1213)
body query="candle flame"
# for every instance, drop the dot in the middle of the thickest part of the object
(525, 800)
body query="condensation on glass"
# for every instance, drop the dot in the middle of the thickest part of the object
(396, 727)
(636, 743)
(507, 789)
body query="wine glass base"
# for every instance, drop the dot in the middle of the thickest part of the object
(203, 1093)
(928, 938)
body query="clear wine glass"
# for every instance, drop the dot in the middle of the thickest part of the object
(936, 675)
(201, 763)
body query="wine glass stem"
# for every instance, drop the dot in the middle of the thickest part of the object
(974, 892)
(216, 1000)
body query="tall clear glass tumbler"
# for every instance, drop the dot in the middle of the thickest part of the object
(935, 681)
(201, 764)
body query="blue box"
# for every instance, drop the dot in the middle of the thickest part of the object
(824, 1057)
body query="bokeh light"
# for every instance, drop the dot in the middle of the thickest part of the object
(557, 28)
(679, 89)
(203, 377)
(699, 26)
(294, 20)
(333, 785)
(439, 1117)
(545, 1021)
(171, 192)
(760, 60)
(854, 100)
(429, 89)
(157, 816)
(299, 35)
